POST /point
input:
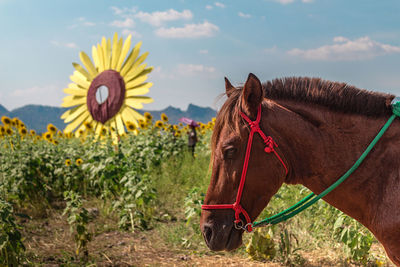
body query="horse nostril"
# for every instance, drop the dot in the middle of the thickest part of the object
(207, 233)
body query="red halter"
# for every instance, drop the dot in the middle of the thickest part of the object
(269, 147)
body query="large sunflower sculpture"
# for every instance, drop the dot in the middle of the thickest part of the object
(106, 92)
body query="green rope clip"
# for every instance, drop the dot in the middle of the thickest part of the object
(396, 106)
(312, 198)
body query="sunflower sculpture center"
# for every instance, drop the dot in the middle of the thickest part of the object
(115, 84)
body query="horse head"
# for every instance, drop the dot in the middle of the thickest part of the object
(221, 227)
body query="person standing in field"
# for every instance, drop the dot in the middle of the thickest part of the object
(192, 139)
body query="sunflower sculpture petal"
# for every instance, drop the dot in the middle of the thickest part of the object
(107, 91)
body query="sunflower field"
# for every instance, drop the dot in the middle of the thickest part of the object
(41, 172)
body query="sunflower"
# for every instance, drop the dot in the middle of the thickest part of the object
(175, 127)
(164, 117)
(38, 137)
(9, 131)
(68, 162)
(14, 122)
(55, 142)
(103, 132)
(107, 91)
(159, 124)
(178, 133)
(79, 162)
(51, 128)
(148, 116)
(6, 120)
(23, 131)
(47, 136)
(32, 132)
(142, 124)
(2, 130)
(88, 126)
(130, 126)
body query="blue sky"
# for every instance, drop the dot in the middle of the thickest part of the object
(193, 44)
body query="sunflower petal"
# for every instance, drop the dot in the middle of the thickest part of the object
(66, 113)
(131, 59)
(106, 45)
(128, 116)
(138, 62)
(96, 58)
(134, 72)
(143, 99)
(138, 91)
(116, 51)
(76, 92)
(114, 135)
(137, 114)
(88, 64)
(132, 102)
(124, 52)
(79, 79)
(135, 82)
(101, 58)
(81, 118)
(76, 86)
(99, 127)
(76, 113)
(82, 71)
(120, 124)
(70, 101)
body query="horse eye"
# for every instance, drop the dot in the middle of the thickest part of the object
(230, 153)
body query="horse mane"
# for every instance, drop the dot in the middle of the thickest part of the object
(333, 95)
(336, 96)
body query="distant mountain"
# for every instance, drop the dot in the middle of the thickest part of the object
(37, 116)
(3, 110)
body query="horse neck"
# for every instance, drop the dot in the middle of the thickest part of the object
(320, 145)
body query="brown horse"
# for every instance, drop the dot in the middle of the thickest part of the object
(321, 129)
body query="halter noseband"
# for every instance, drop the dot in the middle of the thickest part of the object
(269, 147)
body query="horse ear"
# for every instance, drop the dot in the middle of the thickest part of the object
(228, 87)
(252, 95)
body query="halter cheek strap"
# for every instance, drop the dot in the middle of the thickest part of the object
(269, 147)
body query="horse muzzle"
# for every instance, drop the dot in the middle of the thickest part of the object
(221, 236)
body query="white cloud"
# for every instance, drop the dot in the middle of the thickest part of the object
(126, 32)
(89, 24)
(205, 29)
(124, 12)
(192, 69)
(67, 45)
(40, 94)
(203, 51)
(157, 18)
(270, 50)
(218, 4)
(345, 49)
(284, 2)
(243, 15)
(209, 7)
(127, 23)
(81, 21)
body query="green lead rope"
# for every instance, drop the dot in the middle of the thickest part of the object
(312, 198)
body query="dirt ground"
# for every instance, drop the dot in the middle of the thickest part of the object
(49, 243)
